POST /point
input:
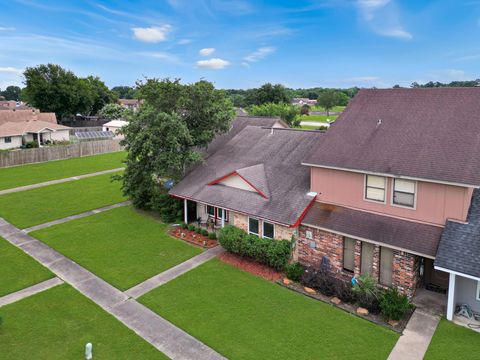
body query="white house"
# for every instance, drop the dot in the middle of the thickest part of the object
(114, 126)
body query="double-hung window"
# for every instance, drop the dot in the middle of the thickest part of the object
(253, 226)
(210, 210)
(8, 140)
(404, 192)
(268, 230)
(375, 188)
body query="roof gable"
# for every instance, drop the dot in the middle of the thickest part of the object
(427, 134)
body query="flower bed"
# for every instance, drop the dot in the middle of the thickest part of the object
(193, 237)
(397, 326)
(250, 266)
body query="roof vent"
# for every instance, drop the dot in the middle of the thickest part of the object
(379, 122)
(271, 131)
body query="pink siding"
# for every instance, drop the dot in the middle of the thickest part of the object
(435, 202)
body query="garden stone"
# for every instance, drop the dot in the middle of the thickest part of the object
(362, 311)
(393, 323)
(335, 300)
(309, 290)
(286, 281)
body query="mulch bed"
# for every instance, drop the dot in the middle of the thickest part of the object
(351, 308)
(251, 266)
(192, 237)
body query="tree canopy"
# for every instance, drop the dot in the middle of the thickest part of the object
(163, 137)
(52, 88)
(113, 112)
(124, 92)
(328, 100)
(288, 113)
(11, 93)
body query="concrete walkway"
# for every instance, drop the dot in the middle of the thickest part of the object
(32, 290)
(414, 342)
(166, 337)
(314, 123)
(59, 181)
(172, 273)
(77, 216)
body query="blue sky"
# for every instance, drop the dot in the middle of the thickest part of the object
(242, 43)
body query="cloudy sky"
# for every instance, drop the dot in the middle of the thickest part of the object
(242, 43)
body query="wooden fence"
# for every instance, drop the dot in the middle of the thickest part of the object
(28, 156)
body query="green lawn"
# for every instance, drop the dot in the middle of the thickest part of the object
(37, 206)
(334, 109)
(309, 127)
(246, 317)
(53, 170)
(122, 246)
(452, 341)
(57, 323)
(318, 118)
(18, 270)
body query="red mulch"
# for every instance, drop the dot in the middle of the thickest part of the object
(192, 237)
(250, 266)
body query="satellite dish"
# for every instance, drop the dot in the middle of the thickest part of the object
(169, 184)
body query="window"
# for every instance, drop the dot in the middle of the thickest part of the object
(366, 266)
(268, 230)
(8, 140)
(348, 254)
(386, 266)
(404, 192)
(210, 210)
(221, 213)
(253, 226)
(375, 188)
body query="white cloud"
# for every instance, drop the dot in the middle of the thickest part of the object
(245, 64)
(213, 63)
(5, 28)
(10, 70)
(184, 41)
(398, 33)
(161, 55)
(152, 34)
(206, 51)
(447, 75)
(260, 54)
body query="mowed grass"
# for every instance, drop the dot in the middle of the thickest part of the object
(122, 246)
(57, 324)
(452, 341)
(337, 108)
(245, 317)
(37, 206)
(319, 118)
(18, 270)
(36, 173)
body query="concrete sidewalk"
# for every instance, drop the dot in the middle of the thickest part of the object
(414, 342)
(166, 337)
(59, 181)
(29, 291)
(172, 273)
(77, 216)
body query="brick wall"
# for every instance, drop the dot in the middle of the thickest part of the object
(310, 252)
(281, 232)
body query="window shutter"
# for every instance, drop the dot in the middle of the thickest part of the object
(367, 258)
(349, 254)
(386, 266)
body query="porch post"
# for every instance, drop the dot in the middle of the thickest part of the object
(451, 297)
(223, 218)
(185, 212)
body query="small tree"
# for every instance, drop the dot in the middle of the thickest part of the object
(112, 112)
(328, 100)
(305, 109)
(286, 112)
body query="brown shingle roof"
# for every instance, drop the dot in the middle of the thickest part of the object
(26, 115)
(34, 126)
(406, 235)
(280, 152)
(431, 134)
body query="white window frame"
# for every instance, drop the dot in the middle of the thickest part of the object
(206, 210)
(478, 290)
(258, 221)
(9, 138)
(414, 195)
(365, 189)
(263, 230)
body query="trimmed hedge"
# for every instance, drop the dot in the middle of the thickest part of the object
(274, 253)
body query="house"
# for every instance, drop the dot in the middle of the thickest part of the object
(396, 177)
(18, 127)
(114, 126)
(303, 101)
(131, 104)
(8, 104)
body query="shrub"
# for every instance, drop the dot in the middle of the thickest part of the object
(367, 293)
(204, 232)
(191, 227)
(198, 230)
(393, 305)
(212, 236)
(274, 253)
(184, 225)
(295, 271)
(319, 279)
(31, 144)
(344, 291)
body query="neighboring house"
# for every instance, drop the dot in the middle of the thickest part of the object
(8, 104)
(303, 101)
(390, 190)
(114, 126)
(132, 104)
(20, 126)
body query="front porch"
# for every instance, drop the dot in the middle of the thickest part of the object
(206, 216)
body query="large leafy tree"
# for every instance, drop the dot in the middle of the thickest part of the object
(164, 135)
(328, 100)
(99, 94)
(113, 112)
(267, 93)
(288, 113)
(11, 93)
(124, 92)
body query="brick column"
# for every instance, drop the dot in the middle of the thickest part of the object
(405, 272)
(358, 258)
(376, 263)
